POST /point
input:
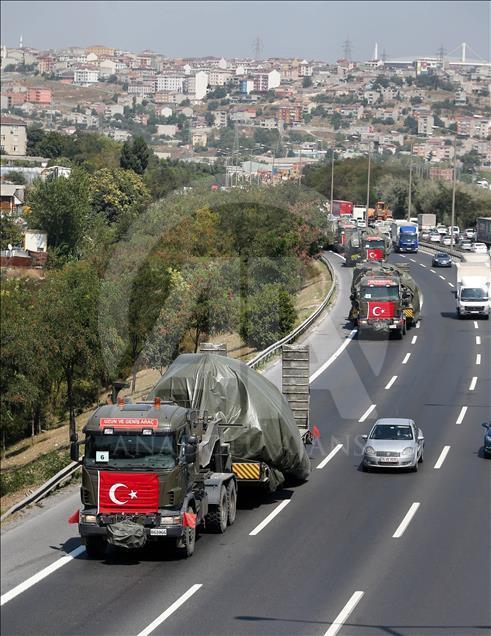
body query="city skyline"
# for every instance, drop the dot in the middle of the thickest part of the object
(210, 28)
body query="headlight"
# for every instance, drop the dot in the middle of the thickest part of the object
(88, 518)
(488, 438)
(369, 450)
(169, 521)
(408, 451)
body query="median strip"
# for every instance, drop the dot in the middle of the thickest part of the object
(169, 611)
(270, 517)
(406, 521)
(327, 459)
(441, 459)
(344, 614)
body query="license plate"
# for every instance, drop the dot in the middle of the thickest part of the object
(158, 532)
(389, 460)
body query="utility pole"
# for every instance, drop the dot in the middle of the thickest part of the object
(410, 183)
(368, 180)
(454, 180)
(332, 179)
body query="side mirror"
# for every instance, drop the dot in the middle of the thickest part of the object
(364, 437)
(485, 425)
(190, 453)
(421, 438)
(74, 453)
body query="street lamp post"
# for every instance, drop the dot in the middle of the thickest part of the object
(454, 181)
(332, 178)
(368, 180)
(410, 184)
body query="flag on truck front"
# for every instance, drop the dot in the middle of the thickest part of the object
(189, 520)
(128, 492)
(375, 254)
(381, 310)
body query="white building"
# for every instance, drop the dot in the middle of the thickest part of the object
(219, 77)
(169, 130)
(425, 125)
(107, 68)
(196, 85)
(170, 83)
(85, 76)
(113, 109)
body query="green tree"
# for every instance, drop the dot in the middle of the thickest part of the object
(135, 155)
(10, 232)
(119, 195)
(306, 82)
(62, 208)
(269, 316)
(14, 176)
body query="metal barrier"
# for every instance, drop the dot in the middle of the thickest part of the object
(69, 470)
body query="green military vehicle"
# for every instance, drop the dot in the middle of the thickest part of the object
(153, 471)
(367, 245)
(384, 299)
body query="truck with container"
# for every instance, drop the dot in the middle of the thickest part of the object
(404, 236)
(473, 293)
(385, 299)
(359, 213)
(344, 230)
(342, 208)
(163, 468)
(426, 221)
(483, 230)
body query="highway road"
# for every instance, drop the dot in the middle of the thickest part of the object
(347, 552)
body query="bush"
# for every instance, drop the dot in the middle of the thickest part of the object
(35, 473)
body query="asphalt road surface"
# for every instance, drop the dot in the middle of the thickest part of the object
(383, 554)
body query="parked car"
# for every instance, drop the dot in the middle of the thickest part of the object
(479, 248)
(441, 259)
(466, 245)
(487, 439)
(435, 237)
(393, 443)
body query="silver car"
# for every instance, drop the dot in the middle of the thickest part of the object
(393, 443)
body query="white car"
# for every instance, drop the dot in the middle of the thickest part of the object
(470, 233)
(361, 223)
(466, 245)
(435, 237)
(479, 248)
(441, 229)
(447, 240)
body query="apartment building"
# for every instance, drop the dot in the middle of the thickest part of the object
(13, 136)
(39, 95)
(170, 83)
(85, 76)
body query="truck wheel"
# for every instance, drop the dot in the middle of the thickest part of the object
(185, 545)
(95, 547)
(216, 519)
(232, 501)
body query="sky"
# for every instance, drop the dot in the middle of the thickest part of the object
(312, 30)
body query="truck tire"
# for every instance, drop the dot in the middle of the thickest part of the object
(185, 545)
(217, 517)
(232, 501)
(95, 547)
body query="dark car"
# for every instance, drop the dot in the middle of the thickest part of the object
(440, 259)
(487, 439)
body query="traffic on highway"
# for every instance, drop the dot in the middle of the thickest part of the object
(374, 541)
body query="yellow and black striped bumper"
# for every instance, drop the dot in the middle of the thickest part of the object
(409, 313)
(246, 471)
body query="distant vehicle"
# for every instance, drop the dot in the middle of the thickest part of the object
(426, 221)
(435, 237)
(441, 229)
(393, 443)
(361, 223)
(470, 233)
(479, 248)
(447, 240)
(342, 208)
(473, 286)
(359, 213)
(466, 245)
(424, 236)
(404, 236)
(487, 439)
(441, 259)
(483, 229)
(456, 230)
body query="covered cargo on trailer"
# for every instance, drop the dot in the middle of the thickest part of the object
(260, 424)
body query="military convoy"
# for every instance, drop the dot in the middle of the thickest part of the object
(161, 468)
(367, 244)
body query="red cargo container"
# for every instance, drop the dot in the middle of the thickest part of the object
(342, 208)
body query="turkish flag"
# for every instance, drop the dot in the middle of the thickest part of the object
(381, 310)
(74, 517)
(128, 492)
(374, 254)
(315, 432)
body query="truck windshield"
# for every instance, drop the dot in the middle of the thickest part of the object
(473, 293)
(380, 293)
(407, 235)
(377, 244)
(131, 451)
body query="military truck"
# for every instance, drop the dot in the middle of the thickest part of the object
(152, 471)
(367, 244)
(384, 299)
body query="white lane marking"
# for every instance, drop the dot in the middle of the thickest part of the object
(391, 381)
(451, 284)
(170, 610)
(402, 255)
(422, 265)
(433, 271)
(478, 358)
(441, 459)
(335, 450)
(412, 259)
(335, 355)
(42, 574)
(418, 324)
(406, 358)
(442, 277)
(343, 615)
(367, 413)
(476, 326)
(413, 341)
(270, 517)
(462, 413)
(406, 521)
(478, 339)
(473, 383)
